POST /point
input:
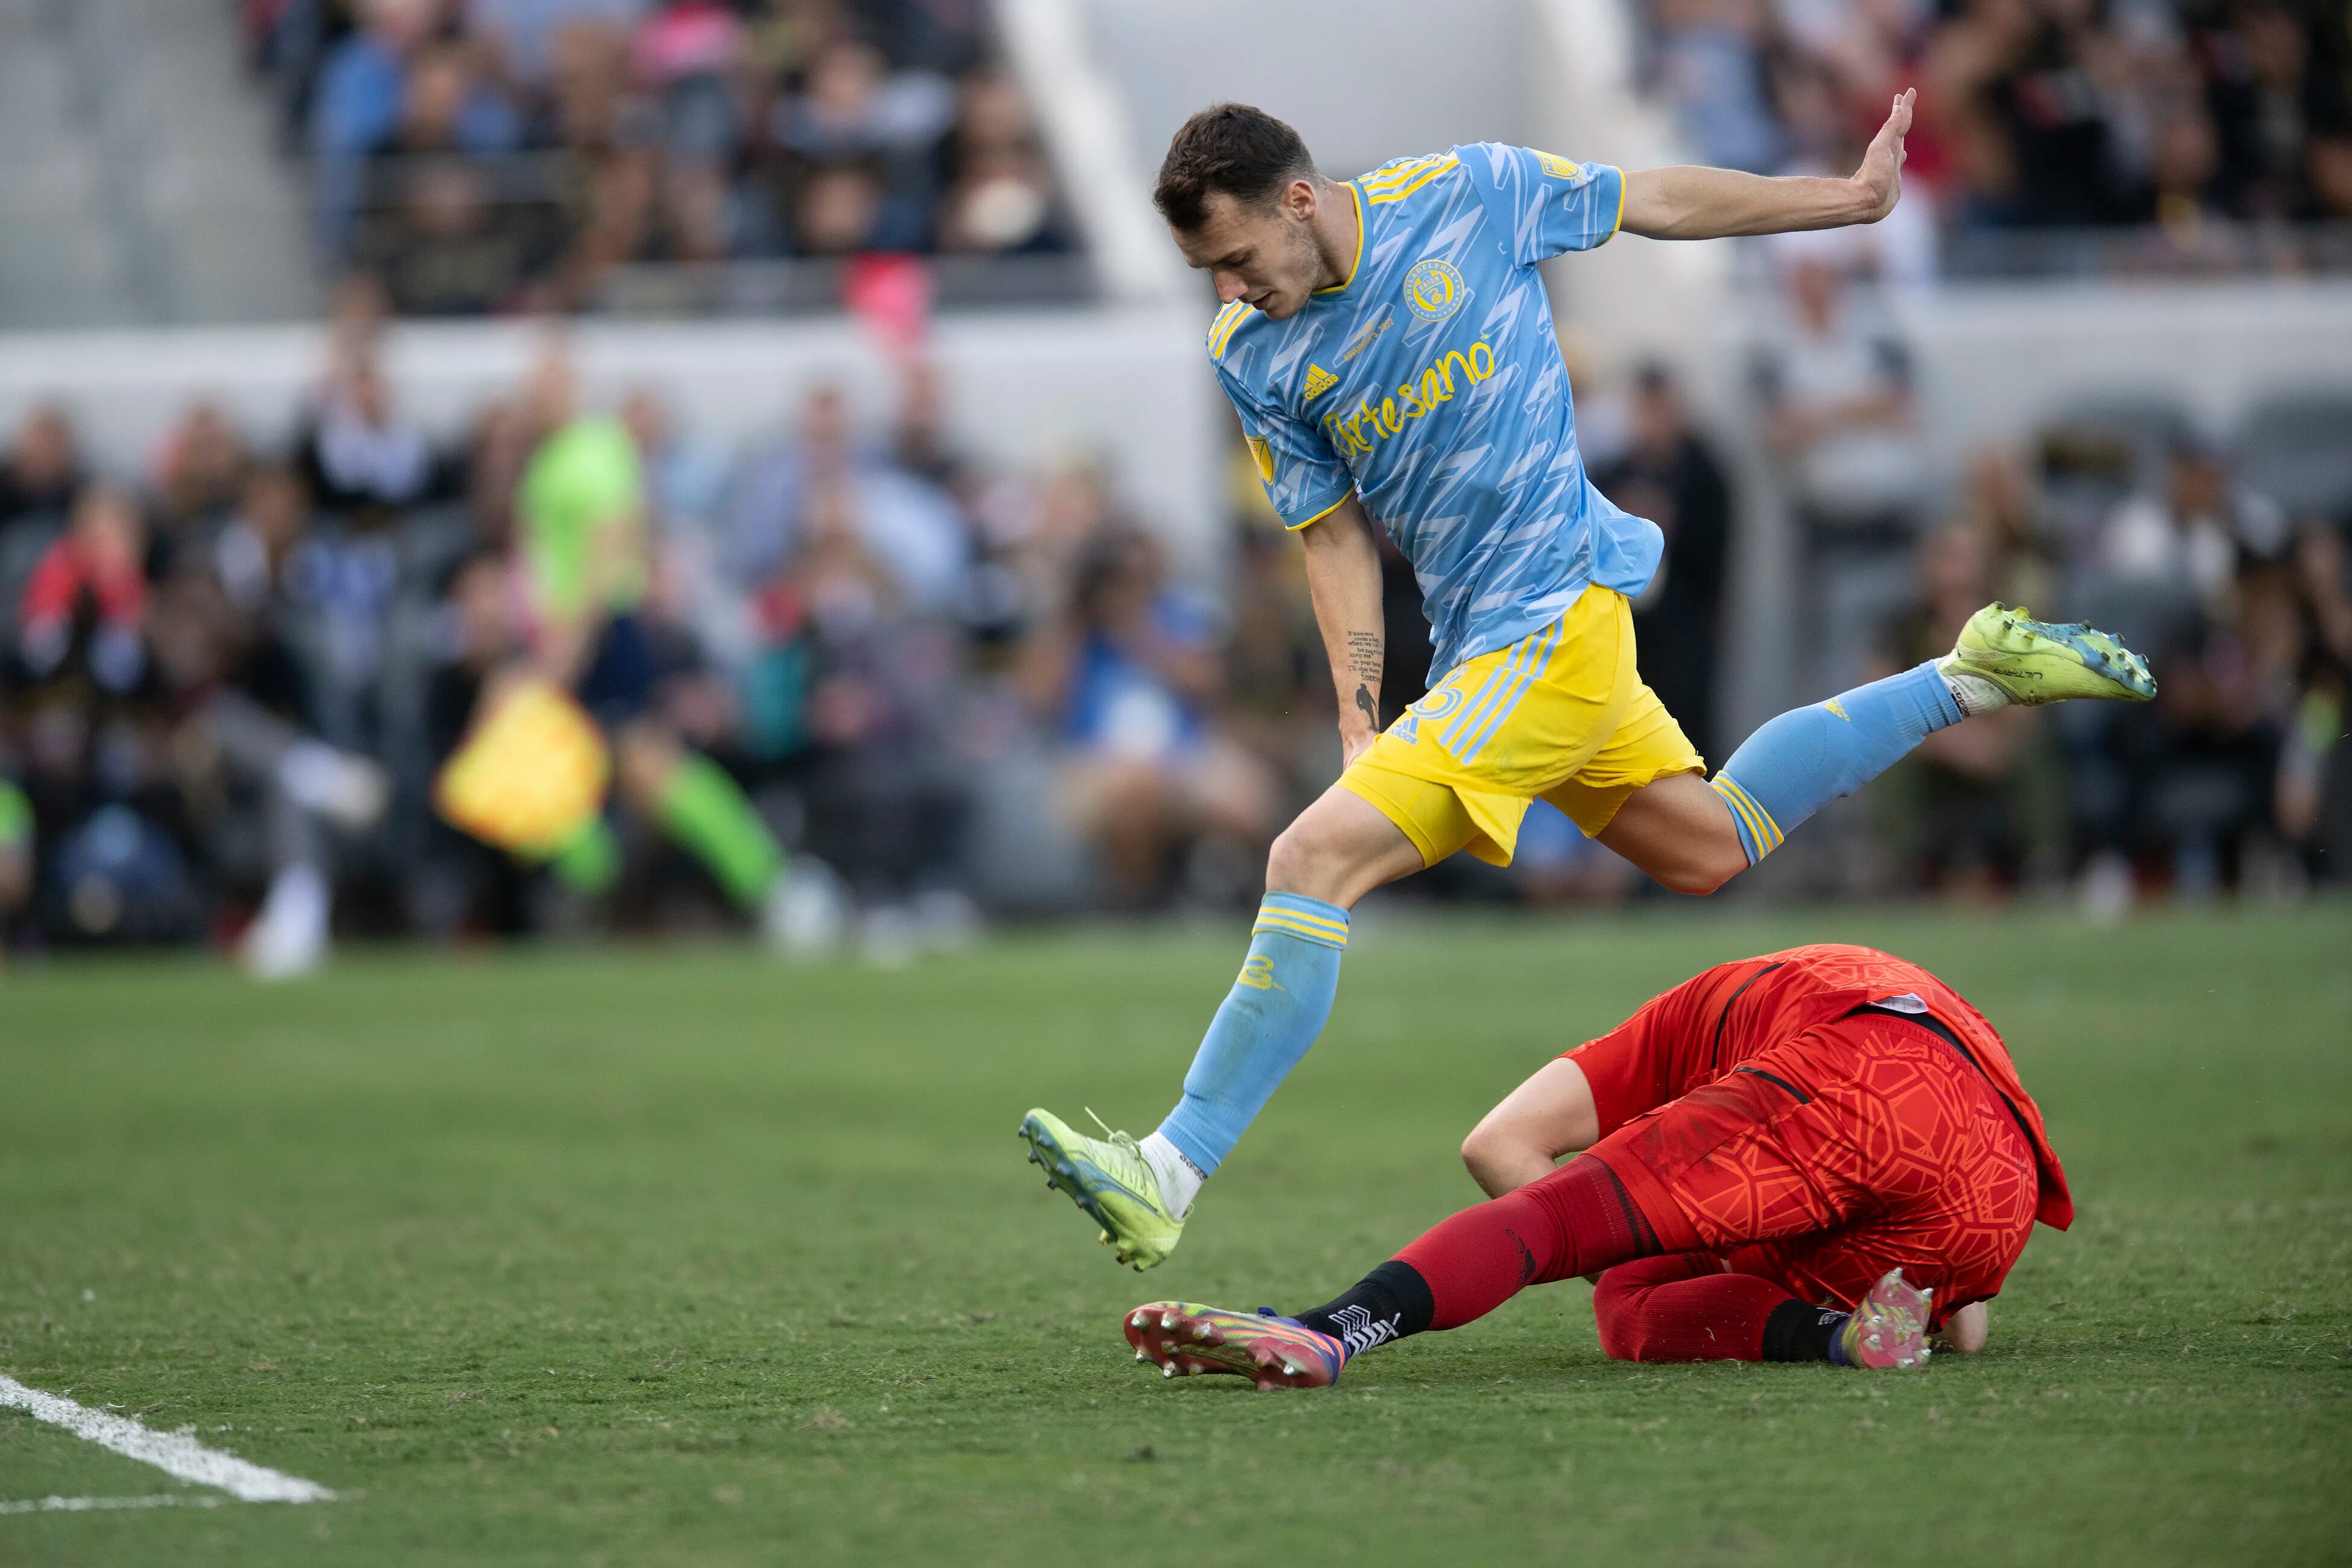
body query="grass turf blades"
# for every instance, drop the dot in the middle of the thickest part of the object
(681, 1256)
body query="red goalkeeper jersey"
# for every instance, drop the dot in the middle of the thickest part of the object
(1709, 1025)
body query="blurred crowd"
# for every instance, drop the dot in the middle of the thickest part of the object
(2057, 116)
(862, 684)
(944, 688)
(2220, 555)
(495, 156)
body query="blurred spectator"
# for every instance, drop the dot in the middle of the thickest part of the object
(1668, 475)
(1839, 412)
(460, 885)
(2202, 771)
(39, 478)
(194, 482)
(1278, 698)
(356, 106)
(2189, 541)
(1000, 194)
(2000, 500)
(2220, 774)
(840, 212)
(523, 32)
(87, 725)
(908, 524)
(355, 452)
(2088, 122)
(1976, 808)
(245, 706)
(688, 56)
(441, 231)
(1152, 781)
(89, 594)
(2313, 667)
(1708, 60)
(42, 469)
(16, 858)
(507, 154)
(340, 585)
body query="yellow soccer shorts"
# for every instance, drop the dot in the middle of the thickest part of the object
(1561, 715)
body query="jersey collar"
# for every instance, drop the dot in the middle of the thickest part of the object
(1355, 267)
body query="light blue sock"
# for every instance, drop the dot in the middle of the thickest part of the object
(1269, 1018)
(1808, 757)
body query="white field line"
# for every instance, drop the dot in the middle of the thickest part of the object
(100, 1504)
(176, 1454)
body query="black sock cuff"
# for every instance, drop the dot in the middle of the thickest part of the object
(1415, 1306)
(1799, 1331)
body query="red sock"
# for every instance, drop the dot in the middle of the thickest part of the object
(1682, 1307)
(1578, 1220)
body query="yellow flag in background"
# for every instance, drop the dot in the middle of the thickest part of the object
(529, 774)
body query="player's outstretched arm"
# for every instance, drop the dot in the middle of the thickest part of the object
(1688, 202)
(1343, 578)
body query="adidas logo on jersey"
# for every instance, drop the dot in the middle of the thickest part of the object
(1319, 382)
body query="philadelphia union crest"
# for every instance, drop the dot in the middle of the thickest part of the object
(1433, 289)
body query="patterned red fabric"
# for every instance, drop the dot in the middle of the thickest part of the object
(1702, 1029)
(1682, 1307)
(1847, 1149)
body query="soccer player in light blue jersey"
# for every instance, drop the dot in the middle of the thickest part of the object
(1388, 344)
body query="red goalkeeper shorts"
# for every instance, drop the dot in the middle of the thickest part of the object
(1845, 1150)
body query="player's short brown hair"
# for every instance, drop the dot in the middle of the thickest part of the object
(1231, 147)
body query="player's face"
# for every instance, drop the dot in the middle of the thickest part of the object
(1264, 255)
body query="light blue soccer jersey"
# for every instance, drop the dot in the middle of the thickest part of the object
(1431, 384)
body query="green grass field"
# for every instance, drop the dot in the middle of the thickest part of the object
(677, 1256)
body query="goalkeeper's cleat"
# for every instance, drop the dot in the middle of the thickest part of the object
(2033, 662)
(1186, 1339)
(1109, 1178)
(1888, 1327)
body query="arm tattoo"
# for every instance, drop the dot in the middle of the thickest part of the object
(1372, 710)
(1364, 654)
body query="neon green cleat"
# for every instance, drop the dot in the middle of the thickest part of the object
(2033, 662)
(1109, 1178)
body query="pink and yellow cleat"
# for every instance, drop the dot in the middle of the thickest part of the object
(1888, 1327)
(1186, 1339)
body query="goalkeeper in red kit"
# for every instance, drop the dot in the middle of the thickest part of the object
(1822, 1155)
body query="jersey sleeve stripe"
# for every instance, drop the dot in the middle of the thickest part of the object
(1395, 173)
(1399, 193)
(1309, 521)
(1400, 173)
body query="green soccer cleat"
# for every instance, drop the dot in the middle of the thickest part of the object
(1109, 1178)
(2034, 662)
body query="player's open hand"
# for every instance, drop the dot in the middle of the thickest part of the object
(1881, 175)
